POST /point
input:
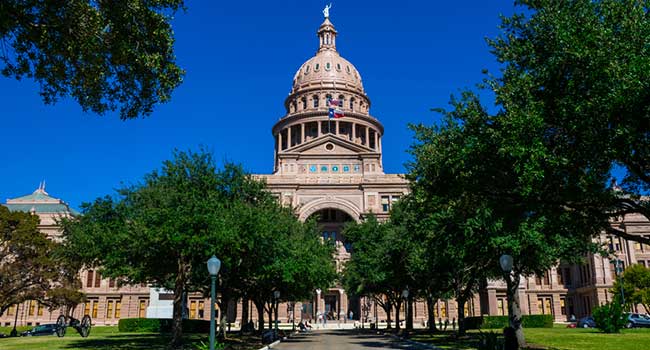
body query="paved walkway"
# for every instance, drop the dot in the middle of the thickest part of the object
(342, 340)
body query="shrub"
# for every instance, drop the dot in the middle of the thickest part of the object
(494, 322)
(155, 325)
(609, 317)
(489, 341)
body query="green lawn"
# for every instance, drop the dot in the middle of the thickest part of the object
(559, 338)
(108, 338)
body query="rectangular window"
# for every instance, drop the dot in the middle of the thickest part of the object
(111, 283)
(39, 309)
(201, 308)
(12, 310)
(95, 307)
(193, 309)
(637, 246)
(538, 280)
(443, 309)
(98, 280)
(547, 278)
(87, 308)
(560, 276)
(118, 308)
(89, 278)
(31, 308)
(385, 203)
(540, 305)
(563, 305)
(567, 276)
(548, 306)
(143, 308)
(109, 309)
(501, 310)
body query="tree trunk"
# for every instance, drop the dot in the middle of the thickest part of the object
(244, 313)
(409, 311)
(431, 318)
(271, 316)
(514, 308)
(179, 288)
(260, 316)
(398, 306)
(387, 308)
(461, 314)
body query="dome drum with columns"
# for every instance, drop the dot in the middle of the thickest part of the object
(324, 77)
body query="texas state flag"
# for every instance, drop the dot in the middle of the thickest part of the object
(334, 110)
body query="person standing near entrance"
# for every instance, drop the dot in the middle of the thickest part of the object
(351, 315)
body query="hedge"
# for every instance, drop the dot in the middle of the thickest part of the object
(528, 321)
(156, 325)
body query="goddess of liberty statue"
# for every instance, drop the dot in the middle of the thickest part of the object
(326, 10)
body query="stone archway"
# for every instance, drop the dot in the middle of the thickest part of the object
(329, 203)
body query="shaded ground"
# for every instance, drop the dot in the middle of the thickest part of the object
(342, 340)
(107, 338)
(560, 338)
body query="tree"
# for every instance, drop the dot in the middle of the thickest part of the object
(468, 169)
(105, 54)
(161, 231)
(26, 270)
(31, 266)
(576, 83)
(635, 283)
(379, 264)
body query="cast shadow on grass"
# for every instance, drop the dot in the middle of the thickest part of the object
(124, 342)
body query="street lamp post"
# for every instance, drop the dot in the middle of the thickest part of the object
(276, 295)
(318, 291)
(619, 273)
(405, 295)
(511, 335)
(214, 265)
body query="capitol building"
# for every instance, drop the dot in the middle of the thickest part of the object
(331, 167)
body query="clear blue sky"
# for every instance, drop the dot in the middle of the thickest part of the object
(240, 57)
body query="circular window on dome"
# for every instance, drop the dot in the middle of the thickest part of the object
(317, 67)
(327, 66)
(338, 67)
(329, 147)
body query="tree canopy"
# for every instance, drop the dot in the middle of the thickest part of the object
(163, 230)
(635, 283)
(31, 266)
(107, 54)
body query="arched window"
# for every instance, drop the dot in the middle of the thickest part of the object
(304, 103)
(352, 104)
(328, 98)
(342, 101)
(315, 97)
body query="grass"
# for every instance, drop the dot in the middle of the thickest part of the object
(558, 338)
(108, 338)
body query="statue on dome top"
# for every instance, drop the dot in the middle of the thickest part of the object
(326, 10)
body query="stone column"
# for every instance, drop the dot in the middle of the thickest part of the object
(280, 141)
(302, 132)
(367, 144)
(319, 128)
(289, 137)
(354, 132)
(336, 125)
(376, 140)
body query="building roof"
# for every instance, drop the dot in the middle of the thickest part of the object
(39, 202)
(327, 67)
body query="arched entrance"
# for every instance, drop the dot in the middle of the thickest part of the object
(333, 303)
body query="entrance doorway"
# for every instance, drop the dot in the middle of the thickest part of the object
(331, 306)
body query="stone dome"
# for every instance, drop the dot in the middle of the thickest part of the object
(325, 76)
(327, 67)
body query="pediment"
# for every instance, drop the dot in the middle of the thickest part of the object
(329, 145)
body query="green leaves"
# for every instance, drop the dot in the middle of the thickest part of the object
(107, 55)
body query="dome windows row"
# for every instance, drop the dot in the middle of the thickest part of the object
(328, 67)
(316, 101)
